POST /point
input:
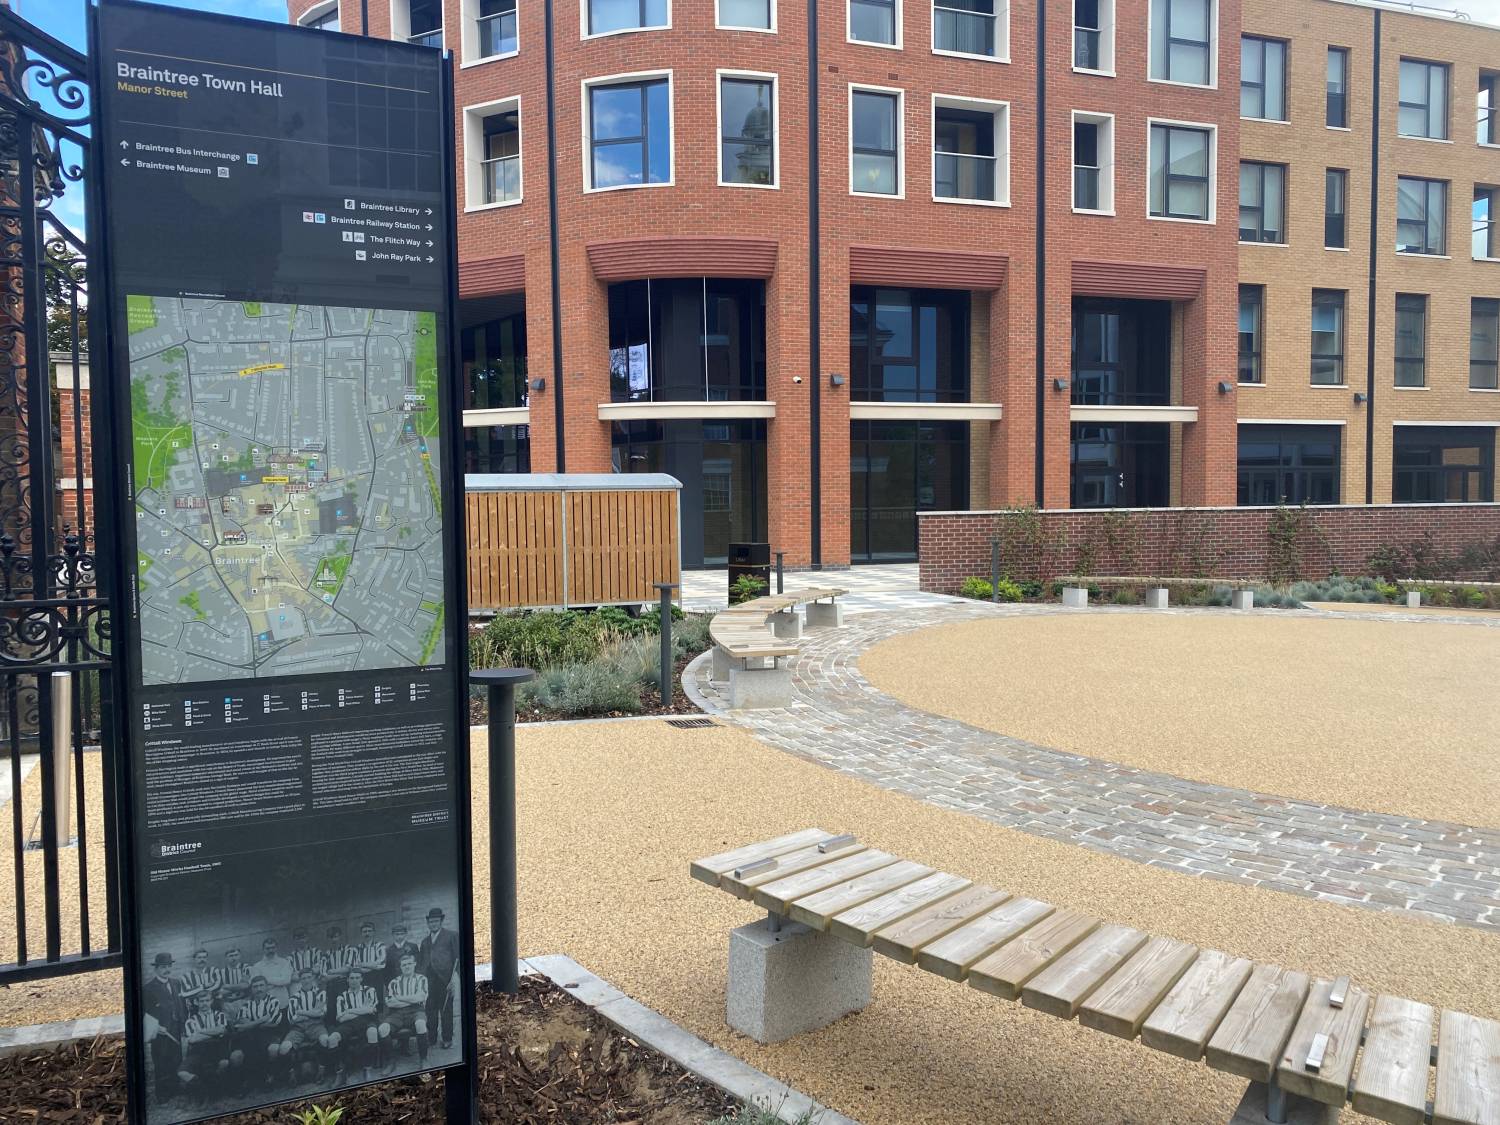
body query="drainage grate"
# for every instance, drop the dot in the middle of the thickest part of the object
(691, 724)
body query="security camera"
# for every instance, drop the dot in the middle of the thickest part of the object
(796, 378)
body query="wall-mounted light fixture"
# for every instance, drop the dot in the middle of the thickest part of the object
(1360, 398)
(1059, 384)
(539, 384)
(1224, 388)
(835, 380)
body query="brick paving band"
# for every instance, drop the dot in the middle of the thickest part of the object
(1444, 871)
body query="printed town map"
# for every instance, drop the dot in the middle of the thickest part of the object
(285, 475)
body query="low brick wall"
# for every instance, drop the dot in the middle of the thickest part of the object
(1193, 542)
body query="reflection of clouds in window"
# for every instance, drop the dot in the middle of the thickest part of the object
(613, 166)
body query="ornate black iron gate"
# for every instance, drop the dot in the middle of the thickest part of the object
(59, 912)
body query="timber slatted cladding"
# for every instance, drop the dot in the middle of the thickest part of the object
(566, 547)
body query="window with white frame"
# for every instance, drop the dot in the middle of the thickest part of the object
(753, 15)
(605, 16)
(1181, 178)
(492, 154)
(980, 28)
(747, 130)
(1094, 162)
(875, 21)
(875, 142)
(1422, 100)
(1183, 38)
(418, 21)
(970, 150)
(490, 29)
(1262, 202)
(323, 17)
(1094, 35)
(628, 132)
(1262, 78)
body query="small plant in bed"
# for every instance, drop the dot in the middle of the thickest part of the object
(746, 588)
(588, 663)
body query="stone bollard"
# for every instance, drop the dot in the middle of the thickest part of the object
(1242, 599)
(1075, 597)
(1156, 597)
(1413, 598)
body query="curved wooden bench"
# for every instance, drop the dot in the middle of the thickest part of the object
(750, 639)
(1295, 1038)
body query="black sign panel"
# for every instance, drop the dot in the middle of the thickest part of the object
(278, 208)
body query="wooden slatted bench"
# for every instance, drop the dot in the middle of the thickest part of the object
(751, 638)
(1307, 1046)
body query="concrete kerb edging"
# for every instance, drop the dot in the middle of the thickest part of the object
(736, 1078)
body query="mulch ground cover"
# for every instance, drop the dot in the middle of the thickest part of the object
(545, 1059)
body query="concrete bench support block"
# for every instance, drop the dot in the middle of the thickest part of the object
(721, 664)
(824, 613)
(1299, 1111)
(752, 688)
(1075, 597)
(787, 625)
(1414, 598)
(793, 981)
(1242, 599)
(1156, 598)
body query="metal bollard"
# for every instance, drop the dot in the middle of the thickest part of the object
(504, 943)
(665, 671)
(994, 570)
(780, 572)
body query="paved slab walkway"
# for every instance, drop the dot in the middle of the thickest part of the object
(890, 586)
(1445, 871)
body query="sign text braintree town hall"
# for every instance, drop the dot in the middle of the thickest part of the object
(132, 76)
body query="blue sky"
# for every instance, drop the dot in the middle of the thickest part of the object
(65, 18)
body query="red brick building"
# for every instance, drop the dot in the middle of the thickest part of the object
(832, 262)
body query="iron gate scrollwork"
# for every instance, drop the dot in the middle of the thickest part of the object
(56, 726)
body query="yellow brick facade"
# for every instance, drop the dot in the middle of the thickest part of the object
(1289, 273)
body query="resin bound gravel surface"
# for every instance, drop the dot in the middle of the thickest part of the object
(1389, 716)
(612, 813)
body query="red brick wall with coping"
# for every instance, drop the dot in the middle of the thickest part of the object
(1186, 542)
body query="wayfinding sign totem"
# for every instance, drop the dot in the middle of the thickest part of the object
(278, 207)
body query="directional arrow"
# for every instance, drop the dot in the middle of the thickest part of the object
(429, 242)
(429, 257)
(124, 163)
(124, 144)
(429, 226)
(429, 210)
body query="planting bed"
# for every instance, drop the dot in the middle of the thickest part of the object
(544, 1058)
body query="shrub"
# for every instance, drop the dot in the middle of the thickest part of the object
(978, 588)
(1031, 589)
(637, 658)
(746, 587)
(547, 638)
(690, 635)
(1124, 595)
(600, 687)
(1474, 598)
(1009, 591)
(650, 619)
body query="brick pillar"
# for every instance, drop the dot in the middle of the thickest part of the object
(789, 434)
